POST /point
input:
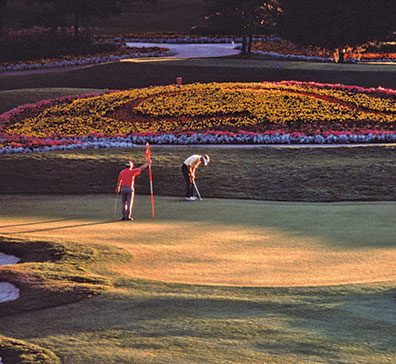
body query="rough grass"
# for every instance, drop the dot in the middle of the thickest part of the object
(21, 352)
(263, 173)
(148, 322)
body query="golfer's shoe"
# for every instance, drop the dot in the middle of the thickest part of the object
(192, 198)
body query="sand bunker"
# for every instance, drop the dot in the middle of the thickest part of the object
(8, 292)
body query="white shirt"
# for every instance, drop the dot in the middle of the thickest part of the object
(193, 161)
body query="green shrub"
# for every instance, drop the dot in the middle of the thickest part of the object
(39, 43)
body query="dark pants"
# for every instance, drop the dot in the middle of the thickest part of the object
(189, 184)
(127, 195)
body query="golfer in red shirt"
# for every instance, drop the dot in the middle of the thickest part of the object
(126, 185)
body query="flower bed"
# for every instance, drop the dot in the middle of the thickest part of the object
(68, 61)
(177, 38)
(230, 113)
(282, 49)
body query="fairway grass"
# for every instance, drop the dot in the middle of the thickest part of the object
(149, 72)
(217, 281)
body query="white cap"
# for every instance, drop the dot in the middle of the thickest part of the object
(206, 159)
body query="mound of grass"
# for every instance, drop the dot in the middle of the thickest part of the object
(12, 98)
(20, 352)
(49, 274)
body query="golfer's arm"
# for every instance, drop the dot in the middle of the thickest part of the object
(143, 166)
(192, 172)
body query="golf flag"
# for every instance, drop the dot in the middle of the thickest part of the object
(148, 156)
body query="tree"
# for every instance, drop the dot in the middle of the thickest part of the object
(336, 24)
(3, 5)
(240, 17)
(55, 11)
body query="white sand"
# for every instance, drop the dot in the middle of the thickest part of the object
(8, 292)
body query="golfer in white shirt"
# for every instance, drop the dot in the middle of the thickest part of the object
(188, 168)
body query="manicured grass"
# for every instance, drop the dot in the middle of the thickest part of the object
(262, 173)
(147, 317)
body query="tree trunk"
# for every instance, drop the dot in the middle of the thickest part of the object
(250, 37)
(341, 55)
(244, 40)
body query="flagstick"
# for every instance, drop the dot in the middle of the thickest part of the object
(148, 156)
(152, 193)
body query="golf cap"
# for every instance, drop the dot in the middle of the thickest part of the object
(128, 164)
(206, 159)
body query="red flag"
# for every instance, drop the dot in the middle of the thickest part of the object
(148, 155)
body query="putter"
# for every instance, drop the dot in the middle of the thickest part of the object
(196, 189)
(115, 206)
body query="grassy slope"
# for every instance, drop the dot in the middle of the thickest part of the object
(21, 352)
(293, 174)
(13, 98)
(141, 321)
(125, 75)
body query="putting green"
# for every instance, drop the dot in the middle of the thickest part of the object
(221, 242)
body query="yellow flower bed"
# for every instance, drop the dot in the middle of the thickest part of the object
(204, 107)
(265, 103)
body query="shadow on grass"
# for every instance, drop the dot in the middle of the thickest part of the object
(33, 223)
(60, 227)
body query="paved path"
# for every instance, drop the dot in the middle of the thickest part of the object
(181, 51)
(194, 50)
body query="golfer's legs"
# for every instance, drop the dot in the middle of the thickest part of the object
(130, 204)
(189, 185)
(126, 197)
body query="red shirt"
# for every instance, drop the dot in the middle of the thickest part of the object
(127, 177)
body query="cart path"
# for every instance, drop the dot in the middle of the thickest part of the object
(180, 50)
